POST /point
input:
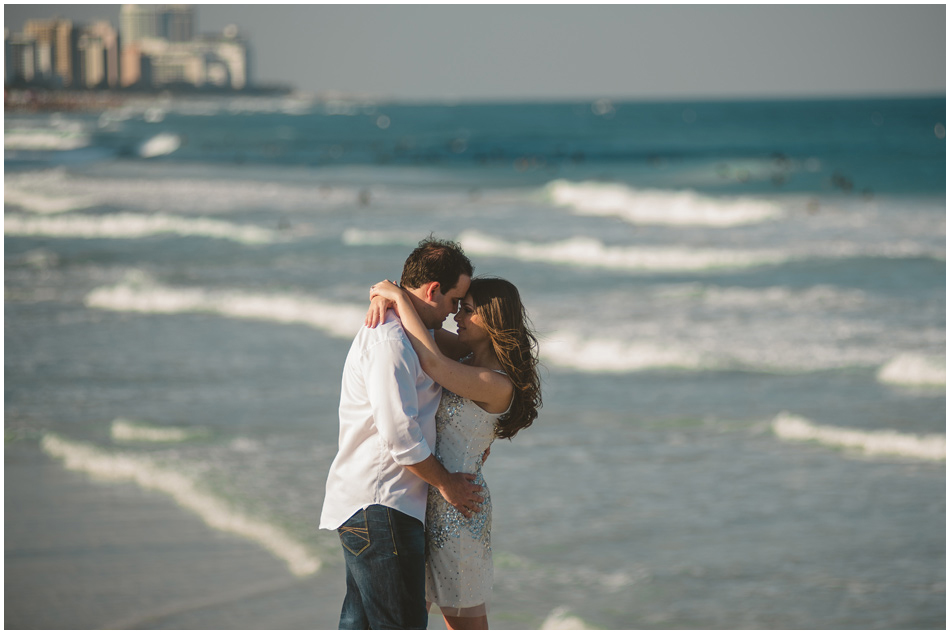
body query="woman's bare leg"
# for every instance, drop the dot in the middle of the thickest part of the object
(466, 622)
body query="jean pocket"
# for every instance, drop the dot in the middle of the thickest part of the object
(354, 534)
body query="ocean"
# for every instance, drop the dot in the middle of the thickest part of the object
(741, 309)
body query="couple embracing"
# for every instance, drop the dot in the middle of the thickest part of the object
(419, 408)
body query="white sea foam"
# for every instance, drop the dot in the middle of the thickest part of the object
(44, 204)
(894, 249)
(154, 114)
(588, 252)
(655, 207)
(137, 431)
(139, 294)
(45, 139)
(561, 618)
(592, 253)
(924, 447)
(201, 195)
(160, 145)
(130, 225)
(822, 296)
(571, 351)
(127, 467)
(731, 343)
(705, 327)
(786, 343)
(914, 369)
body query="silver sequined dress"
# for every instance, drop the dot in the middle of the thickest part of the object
(458, 549)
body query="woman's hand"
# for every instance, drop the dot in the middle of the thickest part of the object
(377, 311)
(382, 298)
(385, 289)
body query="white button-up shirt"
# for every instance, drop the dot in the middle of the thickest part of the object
(387, 420)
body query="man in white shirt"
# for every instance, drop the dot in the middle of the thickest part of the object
(378, 482)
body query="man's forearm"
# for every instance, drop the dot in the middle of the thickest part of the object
(457, 488)
(430, 470)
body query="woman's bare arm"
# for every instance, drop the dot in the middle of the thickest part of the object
(491, 390)
(448, 342)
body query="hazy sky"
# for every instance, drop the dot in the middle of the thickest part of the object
(579, 51)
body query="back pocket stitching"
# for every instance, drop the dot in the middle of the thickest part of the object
(361, 533)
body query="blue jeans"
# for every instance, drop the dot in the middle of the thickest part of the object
(384, 552)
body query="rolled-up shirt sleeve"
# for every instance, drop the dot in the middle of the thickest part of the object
(391, 387)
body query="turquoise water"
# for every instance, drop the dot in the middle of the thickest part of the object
(741, 309)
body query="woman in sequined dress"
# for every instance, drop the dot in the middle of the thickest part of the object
(491, 389)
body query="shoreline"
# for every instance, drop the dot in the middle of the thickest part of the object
(34, 99)
(88, 554)
(28, 100)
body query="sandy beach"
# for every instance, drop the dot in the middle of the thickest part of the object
(82, 554)
(88, 554)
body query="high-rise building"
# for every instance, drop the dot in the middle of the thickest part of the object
(137, 22)
(98, 56)
(179, 22)
(134, 69)
(20, 59)
(208, 62)
(173, 22)
(55, 41)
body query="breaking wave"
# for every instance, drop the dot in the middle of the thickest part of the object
(783, 345)
(561, 618)
(43, 203)
(914, 369)
(136, 431)
(45, 139)
(130, 225)
(568, 350)
(160, 145)
(872, 443)
(139, 294)
(589, 252)
(162, 192)
(570, 347)
(586, 252)
(655, 207)
(216, 513)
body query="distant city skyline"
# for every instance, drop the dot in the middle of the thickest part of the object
(525, 52)
(154, 47)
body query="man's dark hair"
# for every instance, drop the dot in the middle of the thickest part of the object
(435, 260)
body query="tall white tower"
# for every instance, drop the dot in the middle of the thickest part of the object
(173, 22)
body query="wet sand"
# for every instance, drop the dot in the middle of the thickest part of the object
(87, 554)
(81, 554)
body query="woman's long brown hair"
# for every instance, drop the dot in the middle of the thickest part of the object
(498, 303)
